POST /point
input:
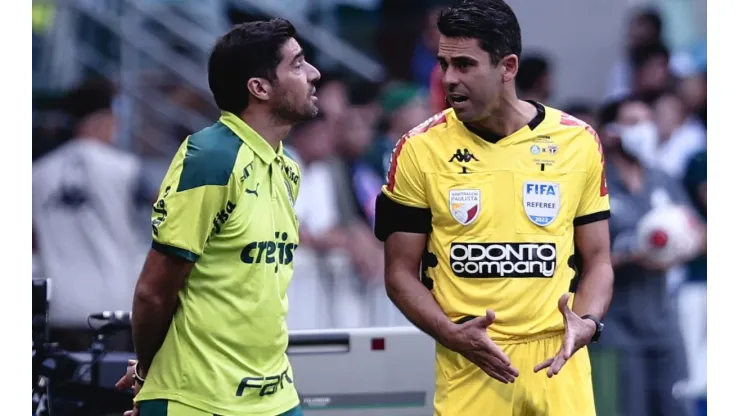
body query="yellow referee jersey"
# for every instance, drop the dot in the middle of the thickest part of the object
(500, 214)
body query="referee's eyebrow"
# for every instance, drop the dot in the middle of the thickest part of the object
(458, 60)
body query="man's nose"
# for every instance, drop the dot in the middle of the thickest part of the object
(450, 78)
(313, 74)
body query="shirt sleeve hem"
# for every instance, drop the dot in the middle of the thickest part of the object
(589, 218)
(404, 202)
(175, 251)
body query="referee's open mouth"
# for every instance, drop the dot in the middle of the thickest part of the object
(457, 98)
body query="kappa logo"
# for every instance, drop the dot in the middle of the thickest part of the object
(541, 202)
(463, 156)
(465, 205)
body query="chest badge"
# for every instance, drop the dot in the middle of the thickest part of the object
(465, 205)
(541, 202)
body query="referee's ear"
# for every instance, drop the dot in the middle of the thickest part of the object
(509, 66)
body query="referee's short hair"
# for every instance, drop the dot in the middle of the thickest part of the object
(248, 50)
(491, 22)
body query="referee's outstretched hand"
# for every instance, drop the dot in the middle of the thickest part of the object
(472, 341)
(578, 333)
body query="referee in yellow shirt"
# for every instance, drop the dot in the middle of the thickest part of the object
(491, 199)
(210, 304)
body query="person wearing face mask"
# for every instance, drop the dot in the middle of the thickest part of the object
(645, 332)
(639, 140)
(681, 136)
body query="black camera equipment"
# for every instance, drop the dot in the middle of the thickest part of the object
(67, 383)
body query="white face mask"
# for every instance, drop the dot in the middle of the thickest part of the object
(641, 141)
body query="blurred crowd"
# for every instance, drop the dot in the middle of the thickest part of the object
(91, 199)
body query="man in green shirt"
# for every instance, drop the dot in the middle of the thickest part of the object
(210, 304)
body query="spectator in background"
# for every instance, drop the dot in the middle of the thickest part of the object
(437, 95)
(333, 96)
(680, 135)
(327, 291)
(84, 194)
(424, 58)
(645, 28)
(404, 107)
(311, 145)
(533, 79)
(361, 183)
(652, 73)
(364, 100)
(582, 111)
(692, 295)
(693, 93)
(642, 321)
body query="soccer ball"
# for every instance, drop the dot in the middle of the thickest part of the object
(669, 233)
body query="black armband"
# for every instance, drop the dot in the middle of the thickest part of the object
(390, 217)
(588, 219)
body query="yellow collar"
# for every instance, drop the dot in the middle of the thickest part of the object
(250, 137)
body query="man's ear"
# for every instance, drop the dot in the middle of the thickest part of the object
(260, 88)
(509, 67)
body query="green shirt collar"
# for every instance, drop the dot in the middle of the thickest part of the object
(250, 137)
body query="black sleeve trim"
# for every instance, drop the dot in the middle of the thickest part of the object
(588, 219)
(391, 217)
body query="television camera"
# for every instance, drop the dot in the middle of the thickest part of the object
(63, 384)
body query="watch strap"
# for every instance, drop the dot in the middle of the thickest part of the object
(599, 326)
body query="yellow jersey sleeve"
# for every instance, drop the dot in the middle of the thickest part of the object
(594, 200)
(402, 205)
(195, 200)
(405, 184)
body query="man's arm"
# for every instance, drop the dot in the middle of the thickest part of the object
(403, 220)
(195, 196)
(403, 253)
(592, 237)
(155, 302)
(594, 291)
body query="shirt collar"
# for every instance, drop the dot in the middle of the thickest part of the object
(250, 137)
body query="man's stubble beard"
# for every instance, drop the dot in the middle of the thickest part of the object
(283, 110)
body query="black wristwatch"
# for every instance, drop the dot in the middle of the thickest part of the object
(599, 326)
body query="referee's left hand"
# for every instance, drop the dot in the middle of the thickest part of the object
(578, 333)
